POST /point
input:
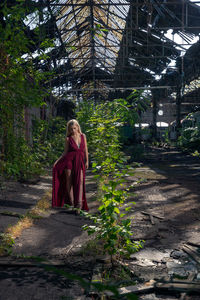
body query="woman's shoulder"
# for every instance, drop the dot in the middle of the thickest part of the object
(84, 136)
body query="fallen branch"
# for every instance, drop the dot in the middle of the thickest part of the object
(155, 216)
(8, 263)
(187, 249)
(184, 295)
(193, 244)
(136, 289)
(152, 216)
(193, 287)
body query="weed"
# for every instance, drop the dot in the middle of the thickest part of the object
(15, 231)
(7, 242)
(44, 203)
(109, 163)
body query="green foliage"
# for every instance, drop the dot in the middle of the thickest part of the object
(49, 140)
(101, 124)
(24, 161)
(196, 154)
(126, 134)
(111, 226)
(19, 79)
(136, 152)
(20, 87)
(18, 161)
(166, 136)
(138, 102)
(85, 110)
(6, 244)
(190, 138)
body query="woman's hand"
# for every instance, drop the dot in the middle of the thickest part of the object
(86, 165)
(55, 163)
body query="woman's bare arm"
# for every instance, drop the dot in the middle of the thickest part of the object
(86, 152)
(65, 150)
(66, 147)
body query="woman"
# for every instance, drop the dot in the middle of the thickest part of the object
(69, 170)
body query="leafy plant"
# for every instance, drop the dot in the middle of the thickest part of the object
(196, 154)
(190, 138)
(20, 83)
(102, 129)
(49, 140)
(7, 242)
(111, 226)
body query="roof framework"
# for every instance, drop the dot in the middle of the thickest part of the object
(119, 44)
(122, 44)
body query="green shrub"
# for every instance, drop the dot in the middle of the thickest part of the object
(49, 140)
(190, 138)
(111, 226)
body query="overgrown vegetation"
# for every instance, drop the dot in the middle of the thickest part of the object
(7, 239)
(188, 136)
(190, 139)
(48, 140)
(21, 88)
(101, 124)
(6, 244)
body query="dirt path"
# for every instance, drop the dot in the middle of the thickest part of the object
(19, 197)
(167, 216)
(169, 189)
(53, 237)
(172, 191)
(58, 232)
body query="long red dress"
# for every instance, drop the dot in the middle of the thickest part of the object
(74, 160)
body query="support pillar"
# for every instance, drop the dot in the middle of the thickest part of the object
(178, 111)
(155, 109)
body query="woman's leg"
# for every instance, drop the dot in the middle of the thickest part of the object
(80, 200)
(69, 188)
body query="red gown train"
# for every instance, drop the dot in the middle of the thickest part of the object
(74, 160)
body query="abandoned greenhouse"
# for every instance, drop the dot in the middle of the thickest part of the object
(115, 84)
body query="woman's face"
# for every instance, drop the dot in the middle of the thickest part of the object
(73, 129)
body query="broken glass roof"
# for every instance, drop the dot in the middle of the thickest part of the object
(120, 42)
(92, 30)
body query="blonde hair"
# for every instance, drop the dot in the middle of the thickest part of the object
(71, 123)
